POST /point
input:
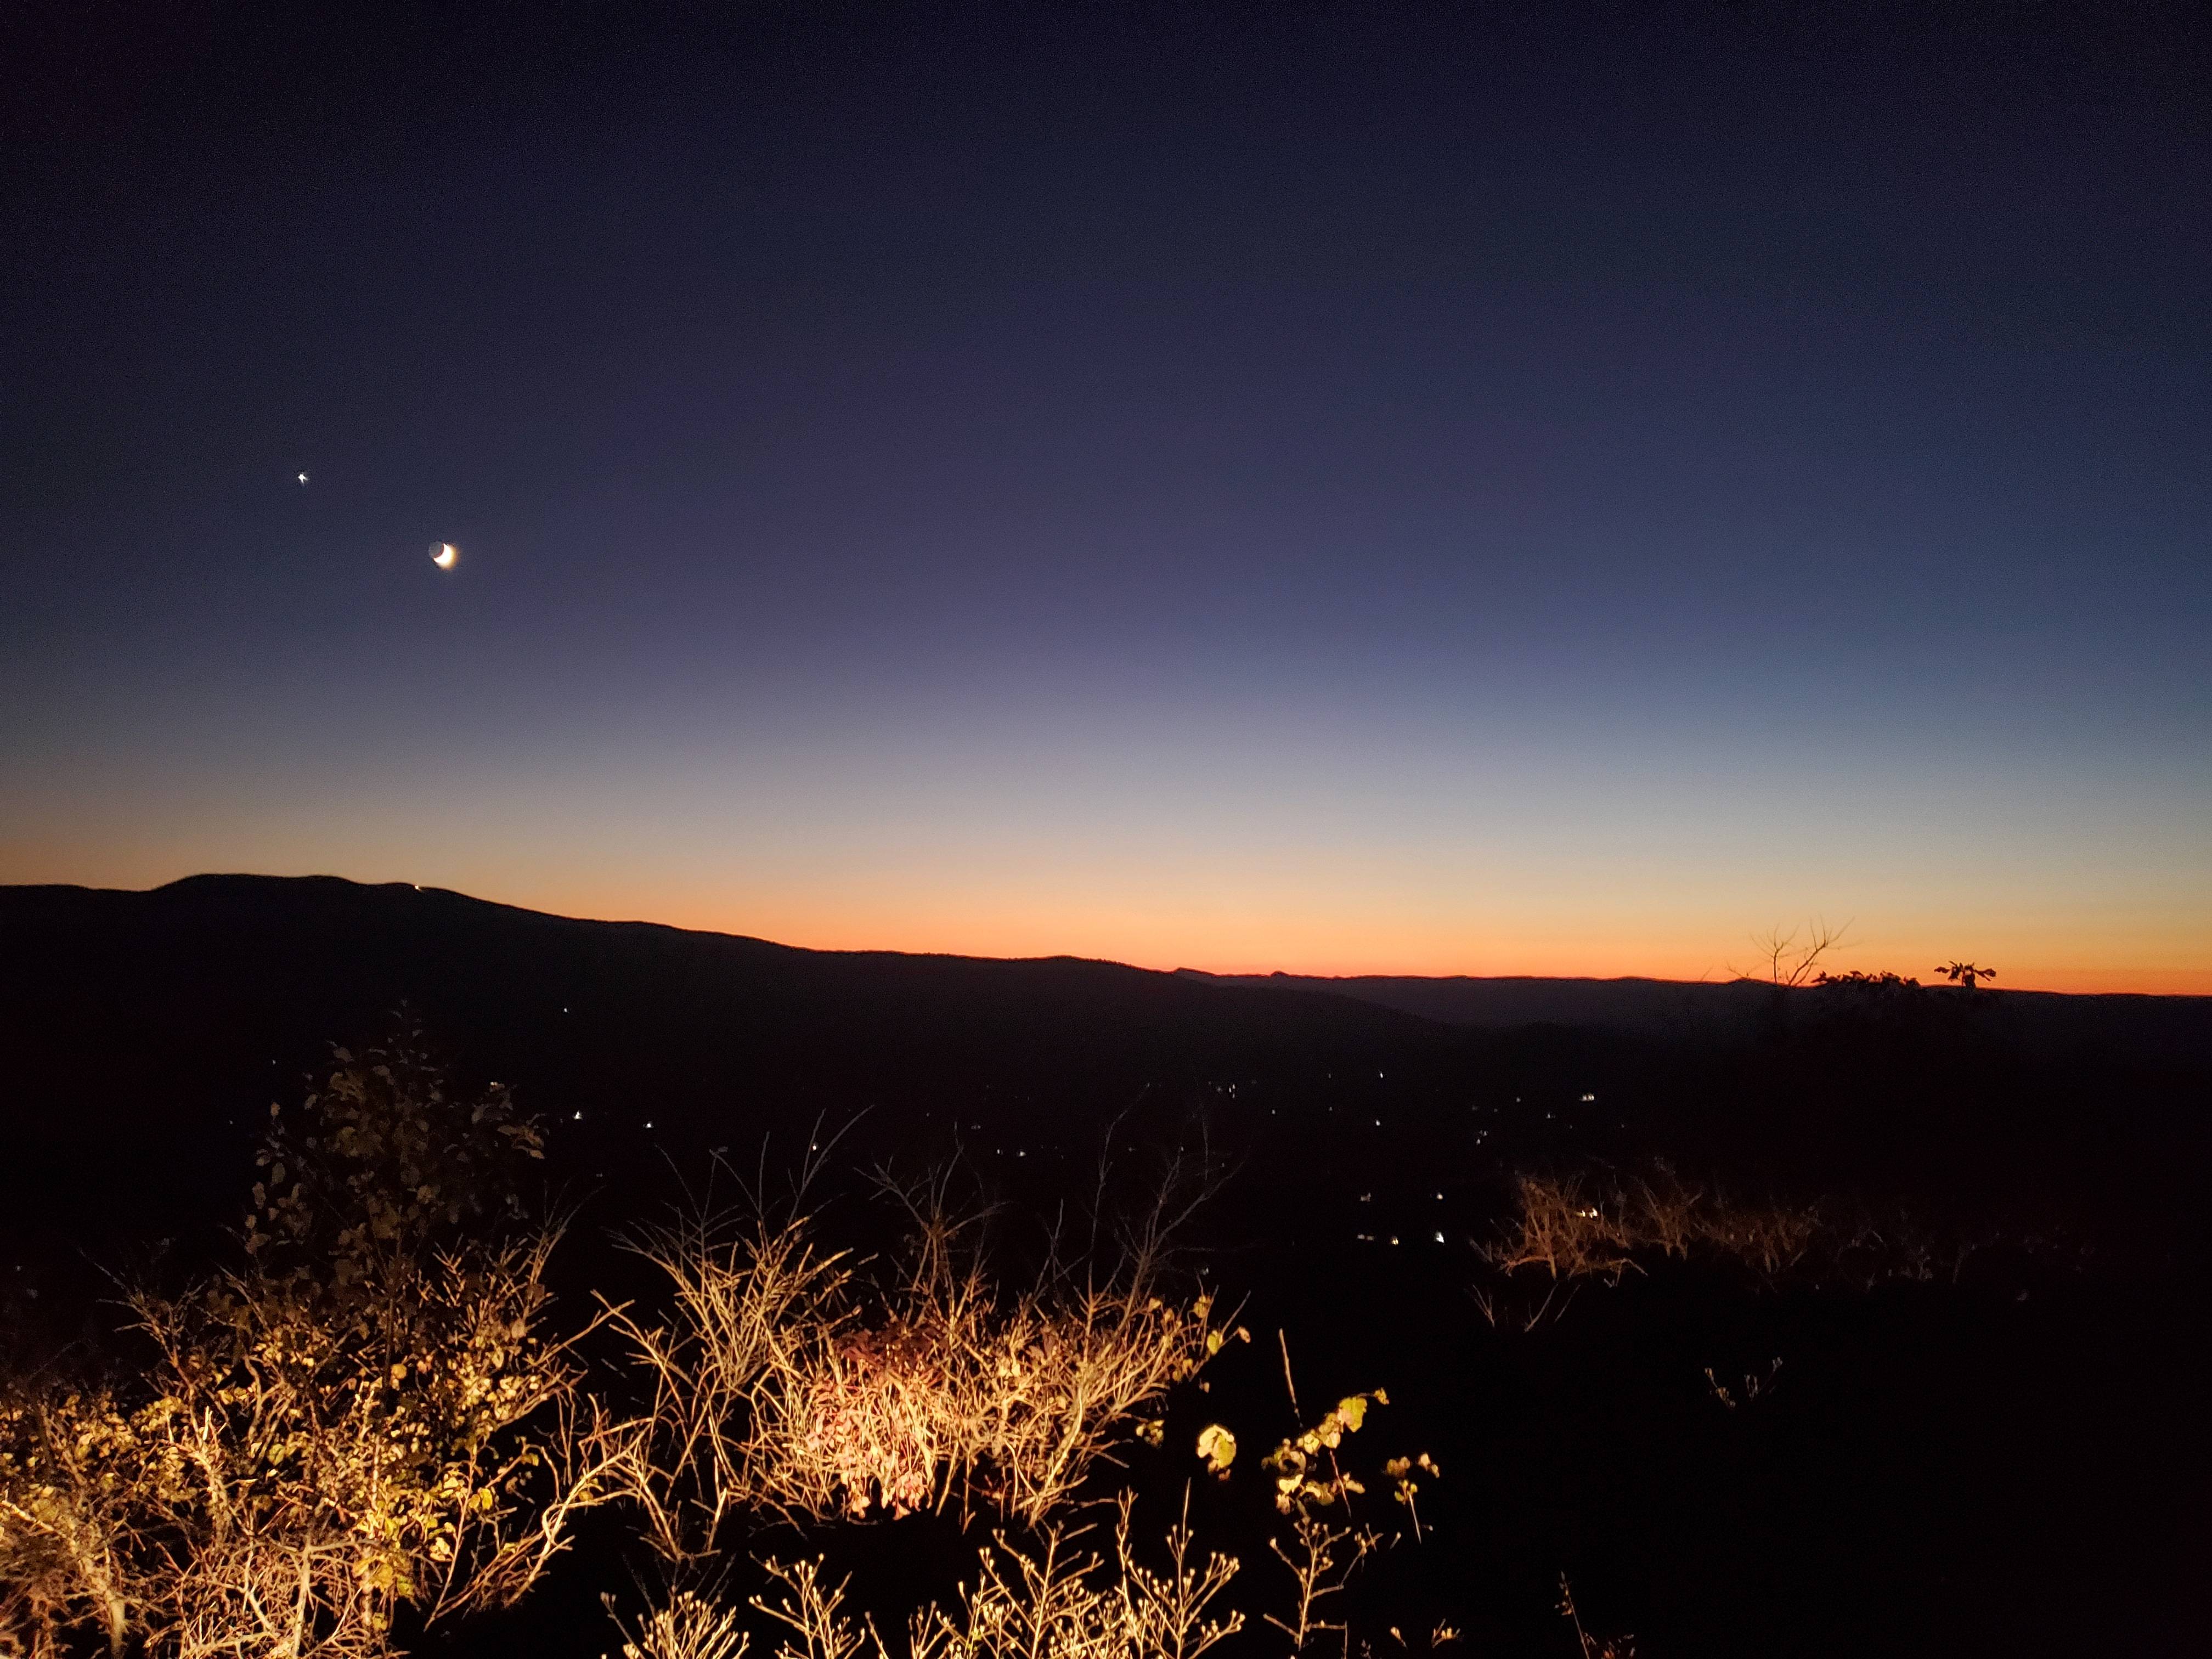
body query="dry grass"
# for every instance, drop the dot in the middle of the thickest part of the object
(687, 1627)
(785, 1378)
(1049, 1593)
(1049, 1598)
(1592, 1647)
(1576, 1227)
(1583, 1227)
(787, 1381)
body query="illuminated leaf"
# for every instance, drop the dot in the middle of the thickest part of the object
(1217, 1447)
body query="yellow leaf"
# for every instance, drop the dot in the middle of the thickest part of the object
(1217, 1447)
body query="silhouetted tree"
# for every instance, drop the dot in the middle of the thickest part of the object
(1788, 963)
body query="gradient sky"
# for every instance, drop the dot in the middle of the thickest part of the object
(1377, 488)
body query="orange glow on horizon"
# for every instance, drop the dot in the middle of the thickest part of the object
(1261, 928)
(1113, 939)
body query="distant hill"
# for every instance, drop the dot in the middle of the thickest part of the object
(145, 1033)
(142, 1035)
(275, 951)
(2177, 1028)
(1656, 1006)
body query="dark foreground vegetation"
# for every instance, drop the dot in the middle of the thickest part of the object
(1068, 1310)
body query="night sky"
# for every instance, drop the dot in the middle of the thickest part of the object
(1367, 489)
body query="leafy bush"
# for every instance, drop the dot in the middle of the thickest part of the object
(368, 1414)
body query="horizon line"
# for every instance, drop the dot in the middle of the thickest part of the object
(2146, 982)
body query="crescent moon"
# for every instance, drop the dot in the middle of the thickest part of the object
(444, 554)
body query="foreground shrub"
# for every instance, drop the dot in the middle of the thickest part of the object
(783, 1379)
(370, 1415)
(1049, 1600)
(1576, 1226)
(1049, 1594)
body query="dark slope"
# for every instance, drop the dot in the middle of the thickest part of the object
(1654, 1007)
(284, 948)
(145, 1032)
(2143, 1028)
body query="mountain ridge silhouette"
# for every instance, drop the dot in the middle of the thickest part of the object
(143, 1035)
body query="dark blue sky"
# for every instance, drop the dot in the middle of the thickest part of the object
(1487, 489)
